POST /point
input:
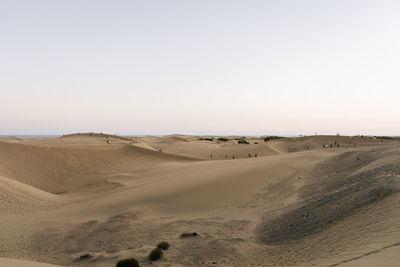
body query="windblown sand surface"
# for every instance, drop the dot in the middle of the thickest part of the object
(78, 201)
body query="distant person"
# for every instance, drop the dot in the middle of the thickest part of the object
(226, 156)
(210, 156)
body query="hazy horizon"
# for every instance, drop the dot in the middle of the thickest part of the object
(197, 68)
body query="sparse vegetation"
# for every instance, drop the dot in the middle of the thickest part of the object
(155, 254)
(223, 139)
(269, 138)
(188, 234)
(163, 245)
(243, 141)
(85, 256)
(388, 137)
(132, 262)
(207, 139)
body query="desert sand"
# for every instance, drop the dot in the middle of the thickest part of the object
(78, 201)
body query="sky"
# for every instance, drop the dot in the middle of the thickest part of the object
(200, 67)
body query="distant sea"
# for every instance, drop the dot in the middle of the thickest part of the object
(30, 136)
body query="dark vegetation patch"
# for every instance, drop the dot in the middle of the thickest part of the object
(243, 141)
(155, 254)
(223, 139)
(388, 137)
(188, 234)
(84, 257)
(132, 262)
(269, 138)
(332, 194)
(163, 245)
(206, 139)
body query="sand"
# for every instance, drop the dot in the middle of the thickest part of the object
(78, 201)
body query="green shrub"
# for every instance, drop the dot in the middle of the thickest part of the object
(163, 245)
(128, 263)
(155, 254)
(223, 139)
(242, 141)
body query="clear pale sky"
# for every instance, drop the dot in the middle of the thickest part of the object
(200, 67)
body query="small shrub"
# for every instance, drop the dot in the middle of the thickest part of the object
(163, 245)
(242, 141)
(155, 254)
(128, 263)
(269, 138)
(187, 234)
(85, 256)
(223, 139)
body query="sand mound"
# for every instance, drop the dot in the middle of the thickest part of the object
(333, 194)
(59, 169)
(14, 193)
(102, 135)
(12, 139)
(171, 139)
(297, 144)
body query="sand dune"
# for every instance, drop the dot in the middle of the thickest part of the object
(59, 169)
(14, 194)
(297, 203)
(4, 262)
